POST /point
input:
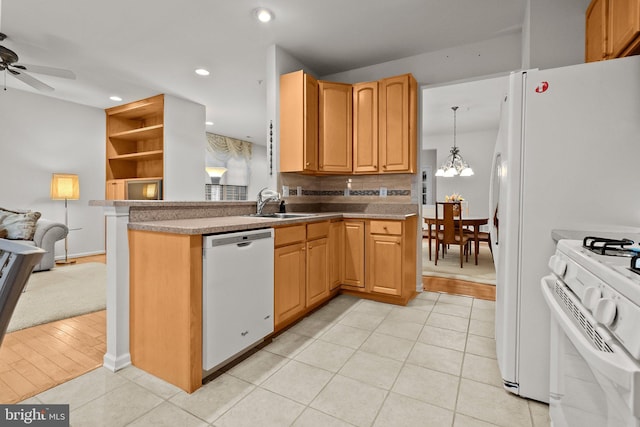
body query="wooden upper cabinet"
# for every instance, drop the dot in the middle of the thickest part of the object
(365, 127)
(596, 31)
(397, 124)
(335, 130)
(624, 25)
(612, 29)
(298, 122)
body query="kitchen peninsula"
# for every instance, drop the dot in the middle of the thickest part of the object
(154, 235)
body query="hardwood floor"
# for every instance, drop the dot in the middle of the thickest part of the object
(459, 287)
(36, 359)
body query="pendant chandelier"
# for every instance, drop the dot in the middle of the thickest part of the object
(455, 164)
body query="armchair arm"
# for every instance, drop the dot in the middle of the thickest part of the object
(48, 232)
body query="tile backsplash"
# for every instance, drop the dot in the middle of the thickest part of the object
(362, 188)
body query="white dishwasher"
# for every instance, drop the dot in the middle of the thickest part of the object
(237, 293)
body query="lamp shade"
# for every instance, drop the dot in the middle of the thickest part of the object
(65, 186)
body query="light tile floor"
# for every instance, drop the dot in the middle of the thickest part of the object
(352, 363)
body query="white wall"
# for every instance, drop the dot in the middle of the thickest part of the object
(477, 150)
(40, 136)
(495, 56)
(553, 33)
(259, 171)
(185, 143)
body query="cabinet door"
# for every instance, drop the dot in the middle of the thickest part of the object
(397, 124)
(317, 271)
(624, 24)
(289, 282)
(354, 253)
(384, 264)
(596, 31)
(115, 189)
(298, 122)
(336, 254)
(365, 127)
(335, 142)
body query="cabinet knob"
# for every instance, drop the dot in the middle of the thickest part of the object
(384, 166)
(375, 166)
(307, 164)
(397, 243)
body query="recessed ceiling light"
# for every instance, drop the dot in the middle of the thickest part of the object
(263, 14)
(208, 123)
(202, 72)
(115, 98)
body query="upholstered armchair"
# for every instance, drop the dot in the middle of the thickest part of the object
(47, 234)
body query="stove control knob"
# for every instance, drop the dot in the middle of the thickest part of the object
(591, 297)
(605, 311)
(557, 265)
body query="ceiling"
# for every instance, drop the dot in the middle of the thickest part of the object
(135, 49)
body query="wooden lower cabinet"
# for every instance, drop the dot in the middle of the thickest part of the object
(384, 264)
(373, 259)
(336, 254)
(317, 271)
(115, 189)
(165, 291)
(289, 281)
(301, 271)
(354, 254)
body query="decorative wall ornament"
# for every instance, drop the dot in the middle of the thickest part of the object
(270, 147)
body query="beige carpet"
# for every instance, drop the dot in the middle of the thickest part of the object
(61, 293)
(449, 266)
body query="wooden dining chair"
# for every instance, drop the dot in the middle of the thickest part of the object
(17, 260)
(450, 230)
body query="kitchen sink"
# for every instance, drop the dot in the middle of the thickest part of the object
(284, 215)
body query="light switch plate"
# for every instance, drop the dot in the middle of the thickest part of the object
(285, 191)
(383, 191)
(346, 192)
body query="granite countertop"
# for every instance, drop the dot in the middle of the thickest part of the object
(224, 224)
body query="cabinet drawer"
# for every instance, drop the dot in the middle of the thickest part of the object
(317, 230)
(288, 235)
(385, 227)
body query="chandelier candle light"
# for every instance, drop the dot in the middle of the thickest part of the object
(455, 164)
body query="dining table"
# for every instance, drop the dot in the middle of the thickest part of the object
(471, 221)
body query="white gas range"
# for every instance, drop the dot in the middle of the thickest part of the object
(594, 298)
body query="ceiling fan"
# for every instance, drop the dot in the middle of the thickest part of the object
(8, 64)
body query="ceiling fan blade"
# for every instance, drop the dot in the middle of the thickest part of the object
(31, 81)
(51, 71)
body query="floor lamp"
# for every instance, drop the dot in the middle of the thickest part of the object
(65, 186)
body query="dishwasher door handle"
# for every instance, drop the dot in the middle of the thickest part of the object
(243, 244)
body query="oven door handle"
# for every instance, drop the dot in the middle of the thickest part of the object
(618, 366)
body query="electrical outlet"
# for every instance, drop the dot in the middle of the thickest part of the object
(347, 192)
(285, 191)
(383, 191)
(299, 190)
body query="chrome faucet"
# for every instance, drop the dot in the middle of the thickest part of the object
(264, 196)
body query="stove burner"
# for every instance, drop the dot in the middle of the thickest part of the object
(609, 247)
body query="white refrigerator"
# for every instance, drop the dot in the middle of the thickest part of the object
(565, 158)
